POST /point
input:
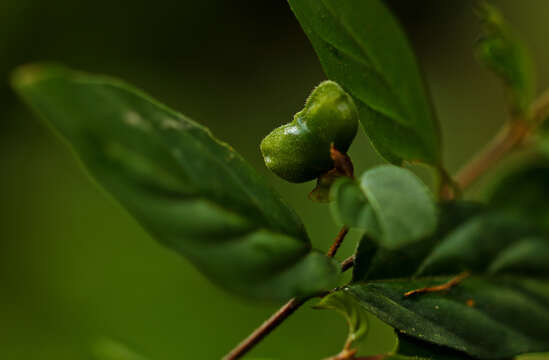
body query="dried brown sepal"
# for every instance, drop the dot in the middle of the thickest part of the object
(343, 166)
(321, 192)
(342, 162)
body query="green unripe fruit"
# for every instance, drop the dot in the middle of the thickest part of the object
(300, 150)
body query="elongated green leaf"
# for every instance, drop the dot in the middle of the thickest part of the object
(362, 47)
(484, 317)
(190, 191)
(500, 311)
(390, 203)
(500, 50)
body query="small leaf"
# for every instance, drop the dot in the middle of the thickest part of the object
(500, 50)
(357, 319)
(375, 263)
(190, 191)
(351, 208)
(390, 203)
(362, 47)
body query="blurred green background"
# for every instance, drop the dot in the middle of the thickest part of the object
(75, 268)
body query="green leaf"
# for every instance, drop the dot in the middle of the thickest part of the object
(356, 318)
(478, 243)
(412, 347)
(390, 203)
(362, 47)
(502, 310)
(374, 263)
(525, 191)
(510, 316)
(190, 191)
(500, 50)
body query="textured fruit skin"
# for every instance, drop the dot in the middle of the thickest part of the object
(300, 150)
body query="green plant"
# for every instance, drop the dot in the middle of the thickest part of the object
(455, 278)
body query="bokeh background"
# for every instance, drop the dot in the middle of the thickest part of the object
(75, 268)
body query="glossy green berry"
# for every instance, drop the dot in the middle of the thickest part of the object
(300, 150)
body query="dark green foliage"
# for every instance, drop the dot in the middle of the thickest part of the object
(501, 310)
(390, 203)
(190, 191)
(376, 262)
(525, 192)
(196, 195)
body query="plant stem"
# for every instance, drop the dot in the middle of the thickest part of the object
(278, 317)
(265, 329)
(506, 140)
(337, 241)
(347, 263)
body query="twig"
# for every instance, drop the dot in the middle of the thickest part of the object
(447, 285)
(347, 263)
(506, 140)
(337, 241)
(265, 329)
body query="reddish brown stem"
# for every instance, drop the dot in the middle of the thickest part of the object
(269, 325)
(337, 241)
(505, 141)
(347, 263)
(508, 138)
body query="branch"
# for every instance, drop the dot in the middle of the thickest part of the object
(265, 329)
(348, 263)
(506, 140)
(337, 241)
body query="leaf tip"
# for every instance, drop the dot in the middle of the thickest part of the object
(29, 74)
